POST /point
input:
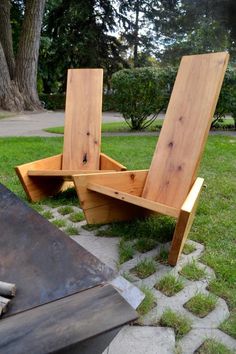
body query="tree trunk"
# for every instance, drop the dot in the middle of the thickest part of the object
(27, 56)
(10, 97)
(136, 33)
(18, 83)
(6, 35)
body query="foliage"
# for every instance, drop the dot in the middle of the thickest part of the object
(227, 99)
(141, 93)
(78, 34)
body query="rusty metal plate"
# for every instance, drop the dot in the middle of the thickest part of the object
(45, 264)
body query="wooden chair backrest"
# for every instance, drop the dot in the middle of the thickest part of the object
(83, 114)
(185, 129)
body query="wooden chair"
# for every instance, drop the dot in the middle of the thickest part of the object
(170, 187)
(82, 139)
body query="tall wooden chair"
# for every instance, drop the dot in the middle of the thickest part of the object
(170, 187)
(82, 139)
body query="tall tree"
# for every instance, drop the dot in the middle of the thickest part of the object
(18, 71)
(78, 34)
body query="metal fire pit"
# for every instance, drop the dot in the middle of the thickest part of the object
(58, 283)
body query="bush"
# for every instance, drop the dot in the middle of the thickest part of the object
(53, 101)
(56, 101)
(227, 100)
(141, 93)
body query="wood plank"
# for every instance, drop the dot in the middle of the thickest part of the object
(63, 323)
(66, 174)
(185, 129)
(82, 133)
(185, 221)
(36, 188)
(102, 209)
(107, 163)
(139, 201)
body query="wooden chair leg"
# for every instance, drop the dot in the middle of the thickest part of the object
(184, 222)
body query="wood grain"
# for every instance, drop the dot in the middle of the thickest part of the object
(100, 208)
(83, 114)
(107, 163)
(65, 322)
(185, 129)
(136, 200)
(37, 188)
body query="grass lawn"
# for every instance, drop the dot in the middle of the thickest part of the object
(214, 225)
(113, 127)
(123, 127)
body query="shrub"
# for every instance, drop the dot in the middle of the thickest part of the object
(227, 100)
(53, 101)
(141, 93)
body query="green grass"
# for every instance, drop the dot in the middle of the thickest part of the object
(181, 324)
(229, 325)
(145, 268)
(65, 210)
(59, 222)
(210, 346)
(156, 228)
(192, 271)
(214, 225)
(145, 244)
(77, 216)
(112, 127)
(6, 114)
(126, 251)
(188, 248)
(170, 285)
(162, 257)
(71, 230)
(148, 303)
(201, 304)
(47, 214)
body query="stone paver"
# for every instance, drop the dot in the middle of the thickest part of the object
(155, 339)
(143, 340)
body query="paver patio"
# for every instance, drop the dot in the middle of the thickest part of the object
(154, 338)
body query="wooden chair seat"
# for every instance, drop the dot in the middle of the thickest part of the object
(171, 186)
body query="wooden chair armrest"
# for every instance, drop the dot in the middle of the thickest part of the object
(107, 163)
(193, 195)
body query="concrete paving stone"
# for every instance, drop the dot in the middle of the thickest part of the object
(196, 337)
(143, 340)
(106, 249)
(146, 339)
